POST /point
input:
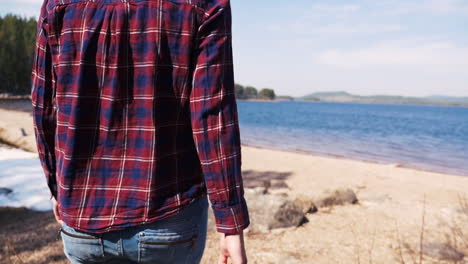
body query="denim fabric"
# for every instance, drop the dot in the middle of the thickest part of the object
(177, 239)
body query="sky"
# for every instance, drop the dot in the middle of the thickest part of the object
(297, 47)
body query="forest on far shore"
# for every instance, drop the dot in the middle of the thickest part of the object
(17, 40)
(250, 92)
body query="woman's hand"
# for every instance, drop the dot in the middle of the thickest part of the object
(232, 246)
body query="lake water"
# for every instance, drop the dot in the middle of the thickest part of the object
(423, 137)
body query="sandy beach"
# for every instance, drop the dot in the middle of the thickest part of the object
(396, 205)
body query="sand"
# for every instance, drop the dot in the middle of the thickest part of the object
(392, 204)
(389, 197)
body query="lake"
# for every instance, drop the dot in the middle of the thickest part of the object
(423, 137)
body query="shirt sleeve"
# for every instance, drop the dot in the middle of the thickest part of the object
(43, 102)
(215, 120)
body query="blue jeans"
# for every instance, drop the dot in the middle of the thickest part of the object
(177, 239)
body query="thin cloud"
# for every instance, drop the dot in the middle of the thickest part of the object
(325, 9)
(436, 55)
(332, 19)
(359, 28)
(433, 7)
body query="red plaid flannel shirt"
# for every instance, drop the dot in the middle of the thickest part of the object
(134, 111)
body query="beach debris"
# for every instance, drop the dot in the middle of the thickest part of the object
(441, 251)
(5, 191)
(336, 197)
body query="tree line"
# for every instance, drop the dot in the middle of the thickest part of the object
(17, 40)
(250, 92)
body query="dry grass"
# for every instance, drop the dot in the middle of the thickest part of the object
(29, 237)
(455, 236)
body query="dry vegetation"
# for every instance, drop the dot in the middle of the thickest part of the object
(449, 244)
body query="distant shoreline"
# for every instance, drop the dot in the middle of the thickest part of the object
(376, 103)
(352, 102)
(345, 97)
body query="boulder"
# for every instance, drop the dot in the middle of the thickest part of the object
(337, 197)
(306, 204)
(268, 211)
(288, 214)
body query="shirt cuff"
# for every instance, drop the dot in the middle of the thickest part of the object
(233, 219)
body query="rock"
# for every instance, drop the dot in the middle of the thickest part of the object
(306, 204)
(441, 251)
(337, 197)
(5, 191)
(268, 211)
(287, 215)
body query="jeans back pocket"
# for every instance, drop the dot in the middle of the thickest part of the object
(81, 246)
(161, 247)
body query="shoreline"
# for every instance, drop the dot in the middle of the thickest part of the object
(16, 131)
(342, 157)
(312, 154)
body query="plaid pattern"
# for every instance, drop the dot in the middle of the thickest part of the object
(135, 113)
